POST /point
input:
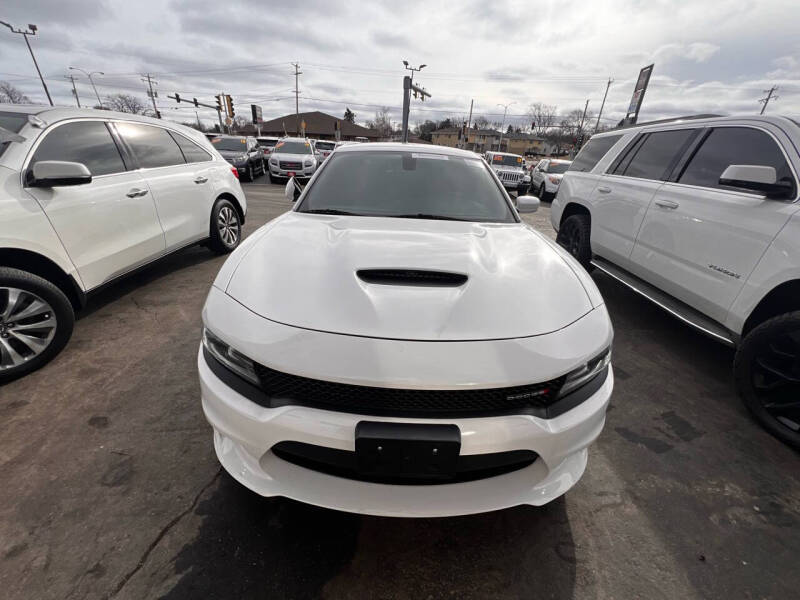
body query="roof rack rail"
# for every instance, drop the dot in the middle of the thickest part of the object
(623, 125)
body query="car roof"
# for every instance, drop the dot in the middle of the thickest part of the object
(503, 153)
(777, 120)
(398, 146)
(558, 160)
(52, 114)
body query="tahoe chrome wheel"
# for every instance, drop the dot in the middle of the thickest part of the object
(228, 225)
(27, 326)
(776, 379)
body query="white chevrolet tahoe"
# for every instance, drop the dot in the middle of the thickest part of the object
(87, 196)
(701, 216)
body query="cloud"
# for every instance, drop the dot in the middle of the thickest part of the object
(698, 52)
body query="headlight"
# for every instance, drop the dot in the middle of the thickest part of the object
(235, 361)
(273, 162)
(308, 163)
(585, 373)
(240, 157)
(555, 180)
(526, 179)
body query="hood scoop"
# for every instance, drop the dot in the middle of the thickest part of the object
(411, 277)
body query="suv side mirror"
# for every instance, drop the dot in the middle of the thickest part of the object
(527, 204)
(293, 190)
(756, 178)
(53, 173)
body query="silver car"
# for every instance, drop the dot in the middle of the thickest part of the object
(292, 157)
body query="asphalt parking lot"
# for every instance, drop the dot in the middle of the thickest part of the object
(110, 487)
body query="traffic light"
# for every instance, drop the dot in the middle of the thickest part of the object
(229, 105)
(219, 102)
(195, 102)
(177, 97)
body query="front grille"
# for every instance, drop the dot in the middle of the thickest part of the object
(343, 463)
(282, 389)
(291, 165)
(506, 176)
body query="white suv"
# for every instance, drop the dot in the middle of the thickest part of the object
(88, 196)
(701, 216)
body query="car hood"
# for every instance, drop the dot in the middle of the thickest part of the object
(292, 157)
(229, 154)
(303, 272)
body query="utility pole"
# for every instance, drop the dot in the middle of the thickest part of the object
(74, 89)
(152, 93)
(502, 127)
(32, 29)
(408, 87)
(297, 73)
(469, 123)
(583, 118)
(770, 96)
(597, 124)
(89, 75)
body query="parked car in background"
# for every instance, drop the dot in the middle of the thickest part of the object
(701, 216)
(355, 355)
(510, 170)
(86, 197)
(546, 177)
(243, 152)
(267, 144)
(292, 157)
(324, 149)
(211, 136)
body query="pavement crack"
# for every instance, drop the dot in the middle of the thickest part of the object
(163, 532)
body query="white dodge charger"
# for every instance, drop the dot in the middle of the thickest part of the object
(400, 343)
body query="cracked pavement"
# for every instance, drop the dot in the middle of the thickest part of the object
(110, 487)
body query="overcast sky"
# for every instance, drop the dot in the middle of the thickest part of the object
(710, 56)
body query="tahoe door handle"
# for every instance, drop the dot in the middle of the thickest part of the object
(136, 193)
(200, 179)
(604, 190)
(667, 204)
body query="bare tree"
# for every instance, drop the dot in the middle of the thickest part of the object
(382, 122)
(126, 103)
(11, 95)
(542, 117)
(481, 122)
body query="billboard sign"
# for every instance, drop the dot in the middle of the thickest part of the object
(638, 94)
(256, 110)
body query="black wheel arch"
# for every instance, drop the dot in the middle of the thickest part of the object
(573, 208)
(235, 202)
(783, 298)
(33, 262)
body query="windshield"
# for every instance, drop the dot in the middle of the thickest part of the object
(407, 184)
(230, 144)
(507, 160)
(558, 168)
(13, 122)
(293, 147)
(267, 143)
(326, 145)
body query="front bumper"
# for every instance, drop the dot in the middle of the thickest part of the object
(303, 174)
(244, 432)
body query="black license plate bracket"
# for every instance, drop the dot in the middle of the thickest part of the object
(407, 450)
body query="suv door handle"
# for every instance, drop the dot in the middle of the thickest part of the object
(667, 204)
(136, 193)
(200, 179)
(604, 190)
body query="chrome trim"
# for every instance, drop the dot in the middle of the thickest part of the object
(726, 340)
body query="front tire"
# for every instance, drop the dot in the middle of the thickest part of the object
(542, 192)
(36, 322)
(226, 227)
(574, 237)
(767, 375)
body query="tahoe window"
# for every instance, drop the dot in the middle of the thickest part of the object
(592, 152)
(191, 151)
(727, 146)
(86, 142)
(153, 146)
(407, 184)
(653, 154)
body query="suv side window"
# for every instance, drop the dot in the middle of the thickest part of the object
(191, 151)
(87, 142)
(655, 154)
(153, 146)
(594, 150)
(725, 146)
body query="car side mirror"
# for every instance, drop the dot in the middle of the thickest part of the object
(527, 204)
(293, 190)
(58, 173)
(756, 178)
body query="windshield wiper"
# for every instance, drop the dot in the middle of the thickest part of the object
(329, 211)
(426, 216)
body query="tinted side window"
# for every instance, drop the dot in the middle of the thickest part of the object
(191, 151)
(727, 146)
(656, 153)
(592, 152)
(153, 146)
(87, 142)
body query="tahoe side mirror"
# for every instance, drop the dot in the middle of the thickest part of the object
(53, 173)
(756, 178)
(527, 204)
(292, 190)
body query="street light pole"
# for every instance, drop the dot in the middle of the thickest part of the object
(25, 33)
(505, 111)
(89, 75)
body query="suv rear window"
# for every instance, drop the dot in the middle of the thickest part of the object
(654, 155)
(592, 152)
